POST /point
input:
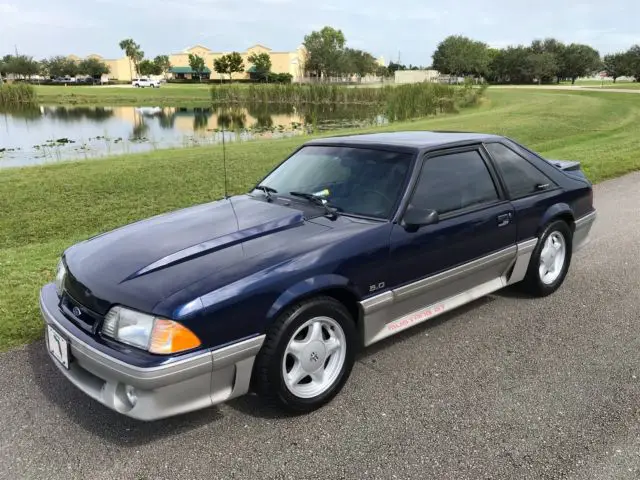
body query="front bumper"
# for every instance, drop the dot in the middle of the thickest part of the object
(196, 382)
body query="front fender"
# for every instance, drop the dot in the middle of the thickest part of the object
(310, 286)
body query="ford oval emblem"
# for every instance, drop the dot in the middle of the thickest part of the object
(76, 311)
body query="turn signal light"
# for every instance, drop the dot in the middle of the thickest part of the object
(171, 337)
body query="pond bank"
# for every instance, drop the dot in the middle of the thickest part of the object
(52, 133)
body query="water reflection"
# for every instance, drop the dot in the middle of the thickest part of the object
(53, 133)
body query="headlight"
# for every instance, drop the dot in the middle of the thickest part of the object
(61, 273)
(150, 333)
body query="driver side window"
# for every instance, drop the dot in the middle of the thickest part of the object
(454, 181)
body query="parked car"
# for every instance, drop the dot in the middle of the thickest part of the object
(145, 82)
(348, 241)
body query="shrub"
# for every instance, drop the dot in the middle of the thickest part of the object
(17, 94)
(398, 103)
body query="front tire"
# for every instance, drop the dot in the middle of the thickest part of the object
(307, 356)
(550, 260)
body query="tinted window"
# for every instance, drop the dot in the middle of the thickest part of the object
(454, 181)
(521, 177)
(360, 181)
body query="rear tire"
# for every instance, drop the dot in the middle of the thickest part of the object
(550, 260)
(307, 356)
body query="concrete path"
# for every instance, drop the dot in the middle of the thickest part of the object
(566, 87)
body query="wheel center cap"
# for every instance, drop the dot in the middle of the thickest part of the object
(314, 356)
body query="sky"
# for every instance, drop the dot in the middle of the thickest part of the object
(405, 29)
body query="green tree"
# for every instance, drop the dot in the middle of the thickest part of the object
(493, 54)
(553, 47)
(22, 66)
(358, 62)
(543, 66)
(617, 65)
(148, 67)
(394, 67)
(197, 64)
(324, 51)
(93, 67)
(221, 65)
(261, 63)
(163, 64)
(511, 65)
(236, 65)
(133, 52)
(633, 60)
(579, 60)
(382, 71)
(59, 66)
(460, 56)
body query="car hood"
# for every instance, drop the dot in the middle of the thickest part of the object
(140, 264)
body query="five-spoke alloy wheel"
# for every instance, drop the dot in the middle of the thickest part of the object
(307, 356)
(550, 260)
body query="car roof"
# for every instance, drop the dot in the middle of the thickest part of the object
(418, 139)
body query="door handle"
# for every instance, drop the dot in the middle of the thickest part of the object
(504, 219)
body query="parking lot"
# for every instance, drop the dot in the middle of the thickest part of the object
(508, 387)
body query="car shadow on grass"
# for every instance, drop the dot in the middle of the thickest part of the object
(98, 419)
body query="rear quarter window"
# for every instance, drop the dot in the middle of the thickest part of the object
(519, 175)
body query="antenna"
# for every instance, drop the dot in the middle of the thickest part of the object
(224, 163)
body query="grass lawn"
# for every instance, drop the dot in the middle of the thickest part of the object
(45, 209)
(174, 95)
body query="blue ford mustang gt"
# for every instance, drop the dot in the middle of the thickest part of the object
(348, 241)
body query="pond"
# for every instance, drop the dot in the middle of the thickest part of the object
(49, 134)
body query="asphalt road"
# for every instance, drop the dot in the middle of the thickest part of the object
(508, 387)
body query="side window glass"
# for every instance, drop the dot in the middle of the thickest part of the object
(454, 181)
(520, 176)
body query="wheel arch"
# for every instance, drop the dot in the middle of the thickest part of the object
(558, 211)
(334, 286)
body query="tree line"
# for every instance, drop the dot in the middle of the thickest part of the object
(328, 55)
(25, 66)
(543, 61)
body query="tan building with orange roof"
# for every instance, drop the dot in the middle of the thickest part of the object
(281, 62)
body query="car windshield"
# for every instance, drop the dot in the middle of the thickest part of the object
(359, 181)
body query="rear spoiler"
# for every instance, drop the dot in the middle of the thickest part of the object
(566, 165)
(569, 167)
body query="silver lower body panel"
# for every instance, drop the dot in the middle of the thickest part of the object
(396, 310)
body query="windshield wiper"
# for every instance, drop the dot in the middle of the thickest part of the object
(332, 212)
(267, 191)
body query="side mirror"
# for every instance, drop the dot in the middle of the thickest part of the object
(414, 218)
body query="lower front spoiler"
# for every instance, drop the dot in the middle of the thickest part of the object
(199, 381)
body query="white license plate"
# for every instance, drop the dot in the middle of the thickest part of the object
(58, 346)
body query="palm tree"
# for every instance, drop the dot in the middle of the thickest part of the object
(132, 50)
